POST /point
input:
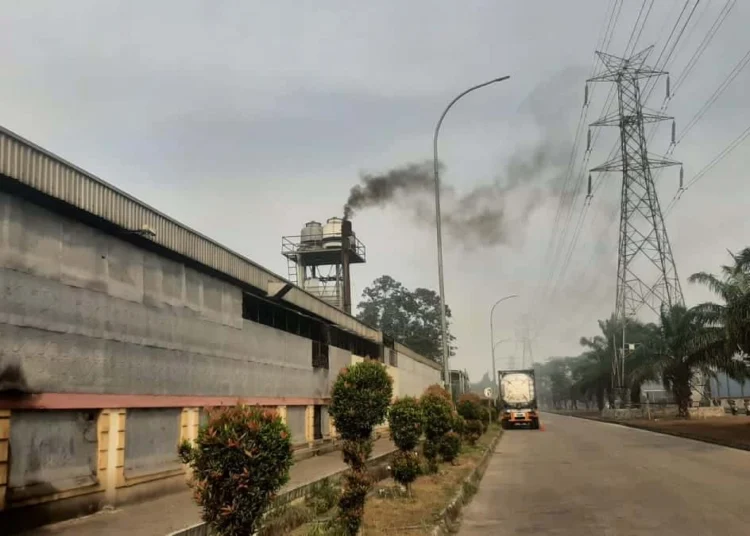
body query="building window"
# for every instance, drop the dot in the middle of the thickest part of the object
(319, 355)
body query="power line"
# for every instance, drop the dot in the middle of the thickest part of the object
(708, 167)
(722, 16)
(716, 94)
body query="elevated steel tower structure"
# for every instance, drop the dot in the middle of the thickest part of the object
(646, 271)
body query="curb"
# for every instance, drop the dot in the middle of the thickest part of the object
(682, 435)
(451, 512)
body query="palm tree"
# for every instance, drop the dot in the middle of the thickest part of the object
(594, 370)
(683, 344)
(733, 315)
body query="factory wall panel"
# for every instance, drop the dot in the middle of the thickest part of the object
(51, 451)
(296, 416)
(151, 440)
(76, 320)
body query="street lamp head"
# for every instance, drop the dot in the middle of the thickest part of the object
(501, 78)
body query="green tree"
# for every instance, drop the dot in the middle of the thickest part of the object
(410, 317)
(682, 345)
(733, 314)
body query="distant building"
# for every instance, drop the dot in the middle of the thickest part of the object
(459, 383)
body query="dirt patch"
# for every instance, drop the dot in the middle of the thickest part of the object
(732, 431)
(430, 494)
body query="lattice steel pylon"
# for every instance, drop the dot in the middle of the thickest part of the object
(646, 272)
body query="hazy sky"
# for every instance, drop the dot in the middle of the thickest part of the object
(246, 119)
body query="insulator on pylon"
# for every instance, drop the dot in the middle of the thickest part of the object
(588, 141)
(586, 95)
(674, 131)
(668, 84)
(588, 195)
(682, 177)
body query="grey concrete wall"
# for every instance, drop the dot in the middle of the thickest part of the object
(414, 377)
(85, 312)
(52, 450)
(151, 440)
(295, 417)
(337, 359)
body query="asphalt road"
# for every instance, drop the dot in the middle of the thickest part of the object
(579, 477)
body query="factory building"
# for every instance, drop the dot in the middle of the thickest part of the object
(118, 325)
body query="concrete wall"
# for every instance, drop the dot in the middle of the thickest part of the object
(415, 376)
(52, 451)
(85, 312)
(151, 440)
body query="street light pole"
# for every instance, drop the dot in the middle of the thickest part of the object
(441, 283)
(492, 338)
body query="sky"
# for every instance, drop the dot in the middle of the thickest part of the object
(246, 119)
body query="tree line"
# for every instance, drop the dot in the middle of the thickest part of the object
(683, 345)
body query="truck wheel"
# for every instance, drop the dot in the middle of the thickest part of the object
(504, 425)
(535, 424)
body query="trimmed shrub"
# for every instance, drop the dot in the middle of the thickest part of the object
(405, 419)
(359, 402)
(473, 432)
(360, 398)
(438, 419)
(323, 496)
(459, 425)
(241, 459)
(469, 406)
(438, 390)
(406, 422)
(405, 467)
(450, 446)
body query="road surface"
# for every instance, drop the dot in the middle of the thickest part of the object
(580, 478)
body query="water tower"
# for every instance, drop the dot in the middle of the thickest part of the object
(319, 258)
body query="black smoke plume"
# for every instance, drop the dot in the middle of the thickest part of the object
(379, 190)
(488, 215)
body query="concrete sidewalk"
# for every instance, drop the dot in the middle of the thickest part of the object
(161, 516)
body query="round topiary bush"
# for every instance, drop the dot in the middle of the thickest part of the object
(240, 460)
(438, 390)
(405, 467)
(405, 420)
(469, 406)
(360, 398)
(450, 446)
(473, 431)
(438, 419)
(459, 424)
(359, 402)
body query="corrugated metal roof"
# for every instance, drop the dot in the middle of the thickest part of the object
(36, 167)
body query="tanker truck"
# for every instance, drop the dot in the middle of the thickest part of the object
(517, 399)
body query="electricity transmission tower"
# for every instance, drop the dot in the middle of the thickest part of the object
(646, 272)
